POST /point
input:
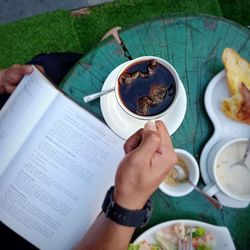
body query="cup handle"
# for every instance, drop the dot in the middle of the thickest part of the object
(211, 189)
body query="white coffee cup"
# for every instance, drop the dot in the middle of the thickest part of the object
(163, 63)
(184, 188)
(226, 181)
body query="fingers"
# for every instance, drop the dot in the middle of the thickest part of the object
(150, 142)
(9, 88)
(133, 141)
(2, 89)
(10, 77)
(153, 138)
(14, 74)
(22, 69)
(166, 146)
(40, 68)
(164, 135)
(26, 69)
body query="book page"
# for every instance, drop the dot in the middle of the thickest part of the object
(58, 180)
(22, 111)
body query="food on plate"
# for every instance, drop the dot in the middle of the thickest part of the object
(172, 179)
(144, 245)
(178, 236)
(185, 235)
(237, 107)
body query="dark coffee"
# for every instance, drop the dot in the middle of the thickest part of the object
(146, 88)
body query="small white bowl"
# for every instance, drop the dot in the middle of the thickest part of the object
(194, 174)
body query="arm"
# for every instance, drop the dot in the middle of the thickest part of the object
(105, 234)
(10, 77)
(149, 157)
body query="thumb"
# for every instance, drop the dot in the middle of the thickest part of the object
(22, 69)
(150, 141)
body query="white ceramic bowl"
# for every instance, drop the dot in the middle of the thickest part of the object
(231, 157)
(194, 173)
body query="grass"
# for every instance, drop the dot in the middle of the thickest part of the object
(59, 31)
(126, 13)
(236, 10)
(20, 41)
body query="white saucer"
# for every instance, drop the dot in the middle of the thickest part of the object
(123, 124)
(224, 129)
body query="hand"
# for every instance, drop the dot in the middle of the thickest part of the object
(149, 157)
(10, 77)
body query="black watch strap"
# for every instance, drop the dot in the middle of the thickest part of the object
(123, 216)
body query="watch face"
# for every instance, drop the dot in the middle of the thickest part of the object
(123, 216)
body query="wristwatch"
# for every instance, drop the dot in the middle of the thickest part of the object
(123, 216)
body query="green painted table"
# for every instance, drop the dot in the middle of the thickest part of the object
(193, 44)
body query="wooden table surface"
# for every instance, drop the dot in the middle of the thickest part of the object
(193, 45)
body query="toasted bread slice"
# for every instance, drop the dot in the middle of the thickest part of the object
(237, 70)
(238, 80)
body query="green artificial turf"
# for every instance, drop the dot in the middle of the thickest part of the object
(126, 13)
(59, 31)
(236, 10)
(20, 41)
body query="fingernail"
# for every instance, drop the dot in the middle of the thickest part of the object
(150, 126)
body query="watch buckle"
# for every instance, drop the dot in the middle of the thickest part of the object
(110, 205)
(146, 219)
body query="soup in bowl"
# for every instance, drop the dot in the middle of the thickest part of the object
(226, 176)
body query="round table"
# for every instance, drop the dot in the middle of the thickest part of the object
(193, 45)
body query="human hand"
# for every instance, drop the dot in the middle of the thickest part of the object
(10, 77)
(149, 157)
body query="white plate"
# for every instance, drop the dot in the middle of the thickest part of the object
(123, 124)
(222, 237)
(224, 129)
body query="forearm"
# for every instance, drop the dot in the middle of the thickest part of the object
(105, 234)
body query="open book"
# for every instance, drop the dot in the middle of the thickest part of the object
(56, 163)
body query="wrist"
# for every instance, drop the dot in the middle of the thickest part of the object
(130, 200)
(124, 216)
